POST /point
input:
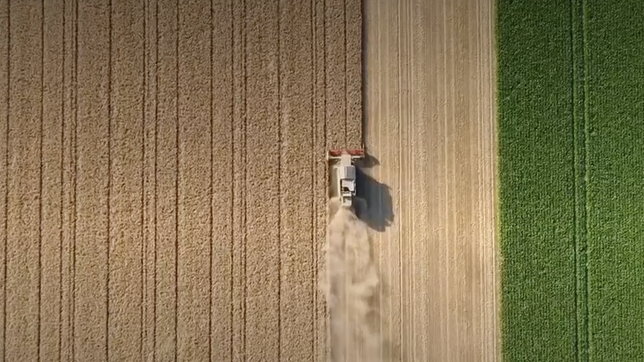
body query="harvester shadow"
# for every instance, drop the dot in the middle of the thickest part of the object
(377, 209)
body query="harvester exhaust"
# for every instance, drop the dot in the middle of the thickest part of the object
(342, 173)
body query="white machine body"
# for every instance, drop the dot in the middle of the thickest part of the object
(347, 180)
(343, 174)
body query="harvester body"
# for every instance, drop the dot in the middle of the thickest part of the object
(343, 175)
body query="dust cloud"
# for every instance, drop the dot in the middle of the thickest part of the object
(350, 285)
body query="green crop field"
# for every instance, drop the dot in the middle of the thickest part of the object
(571, 160)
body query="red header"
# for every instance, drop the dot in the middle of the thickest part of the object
(354, 152)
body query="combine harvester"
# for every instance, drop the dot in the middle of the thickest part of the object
(343, 176)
